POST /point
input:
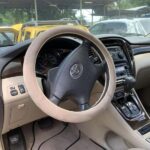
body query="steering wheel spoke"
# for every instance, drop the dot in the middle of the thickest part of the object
(101, 68)
(83, 107)
(55, 99)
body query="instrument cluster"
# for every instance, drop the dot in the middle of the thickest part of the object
(48, 59)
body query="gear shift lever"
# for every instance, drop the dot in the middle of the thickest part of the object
(129, 83)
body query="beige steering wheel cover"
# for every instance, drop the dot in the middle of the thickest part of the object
(35, 91)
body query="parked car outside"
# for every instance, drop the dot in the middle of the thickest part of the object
(124, 27)
(30, 30)
(8, 36)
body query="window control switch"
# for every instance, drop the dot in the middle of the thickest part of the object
(21, 89)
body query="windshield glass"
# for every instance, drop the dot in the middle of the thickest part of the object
(116, 27)
(146, 25)
(29, 18)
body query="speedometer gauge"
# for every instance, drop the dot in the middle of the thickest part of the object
(45, 62)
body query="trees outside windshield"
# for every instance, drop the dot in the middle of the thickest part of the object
(121, 17)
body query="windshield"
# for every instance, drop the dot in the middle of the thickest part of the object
(6, 39)
(146, 25)
(32, 17)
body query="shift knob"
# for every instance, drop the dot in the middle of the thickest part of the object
(129, 83)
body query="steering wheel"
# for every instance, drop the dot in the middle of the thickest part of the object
(74, 77)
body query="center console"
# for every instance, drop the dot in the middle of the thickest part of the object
(125, 100)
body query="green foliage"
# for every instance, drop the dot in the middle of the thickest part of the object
(12, 16)
(68, 13)
(141, 2)
(125, 4)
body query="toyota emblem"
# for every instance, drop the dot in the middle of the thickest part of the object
(76, 71)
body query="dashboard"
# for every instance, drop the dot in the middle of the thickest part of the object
(53, 54)
(123, 58)
(120, 60)
(50, 58)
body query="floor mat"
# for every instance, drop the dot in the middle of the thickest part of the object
(59, 137)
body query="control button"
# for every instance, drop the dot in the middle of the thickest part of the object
(133, 108)
(119, 94)
(120, 55)
(126, 111)
(21, 88)
(114, 56)
(12, 88)
(14, 92)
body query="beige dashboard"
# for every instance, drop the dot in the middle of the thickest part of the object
(142, 63)
(18, 109)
